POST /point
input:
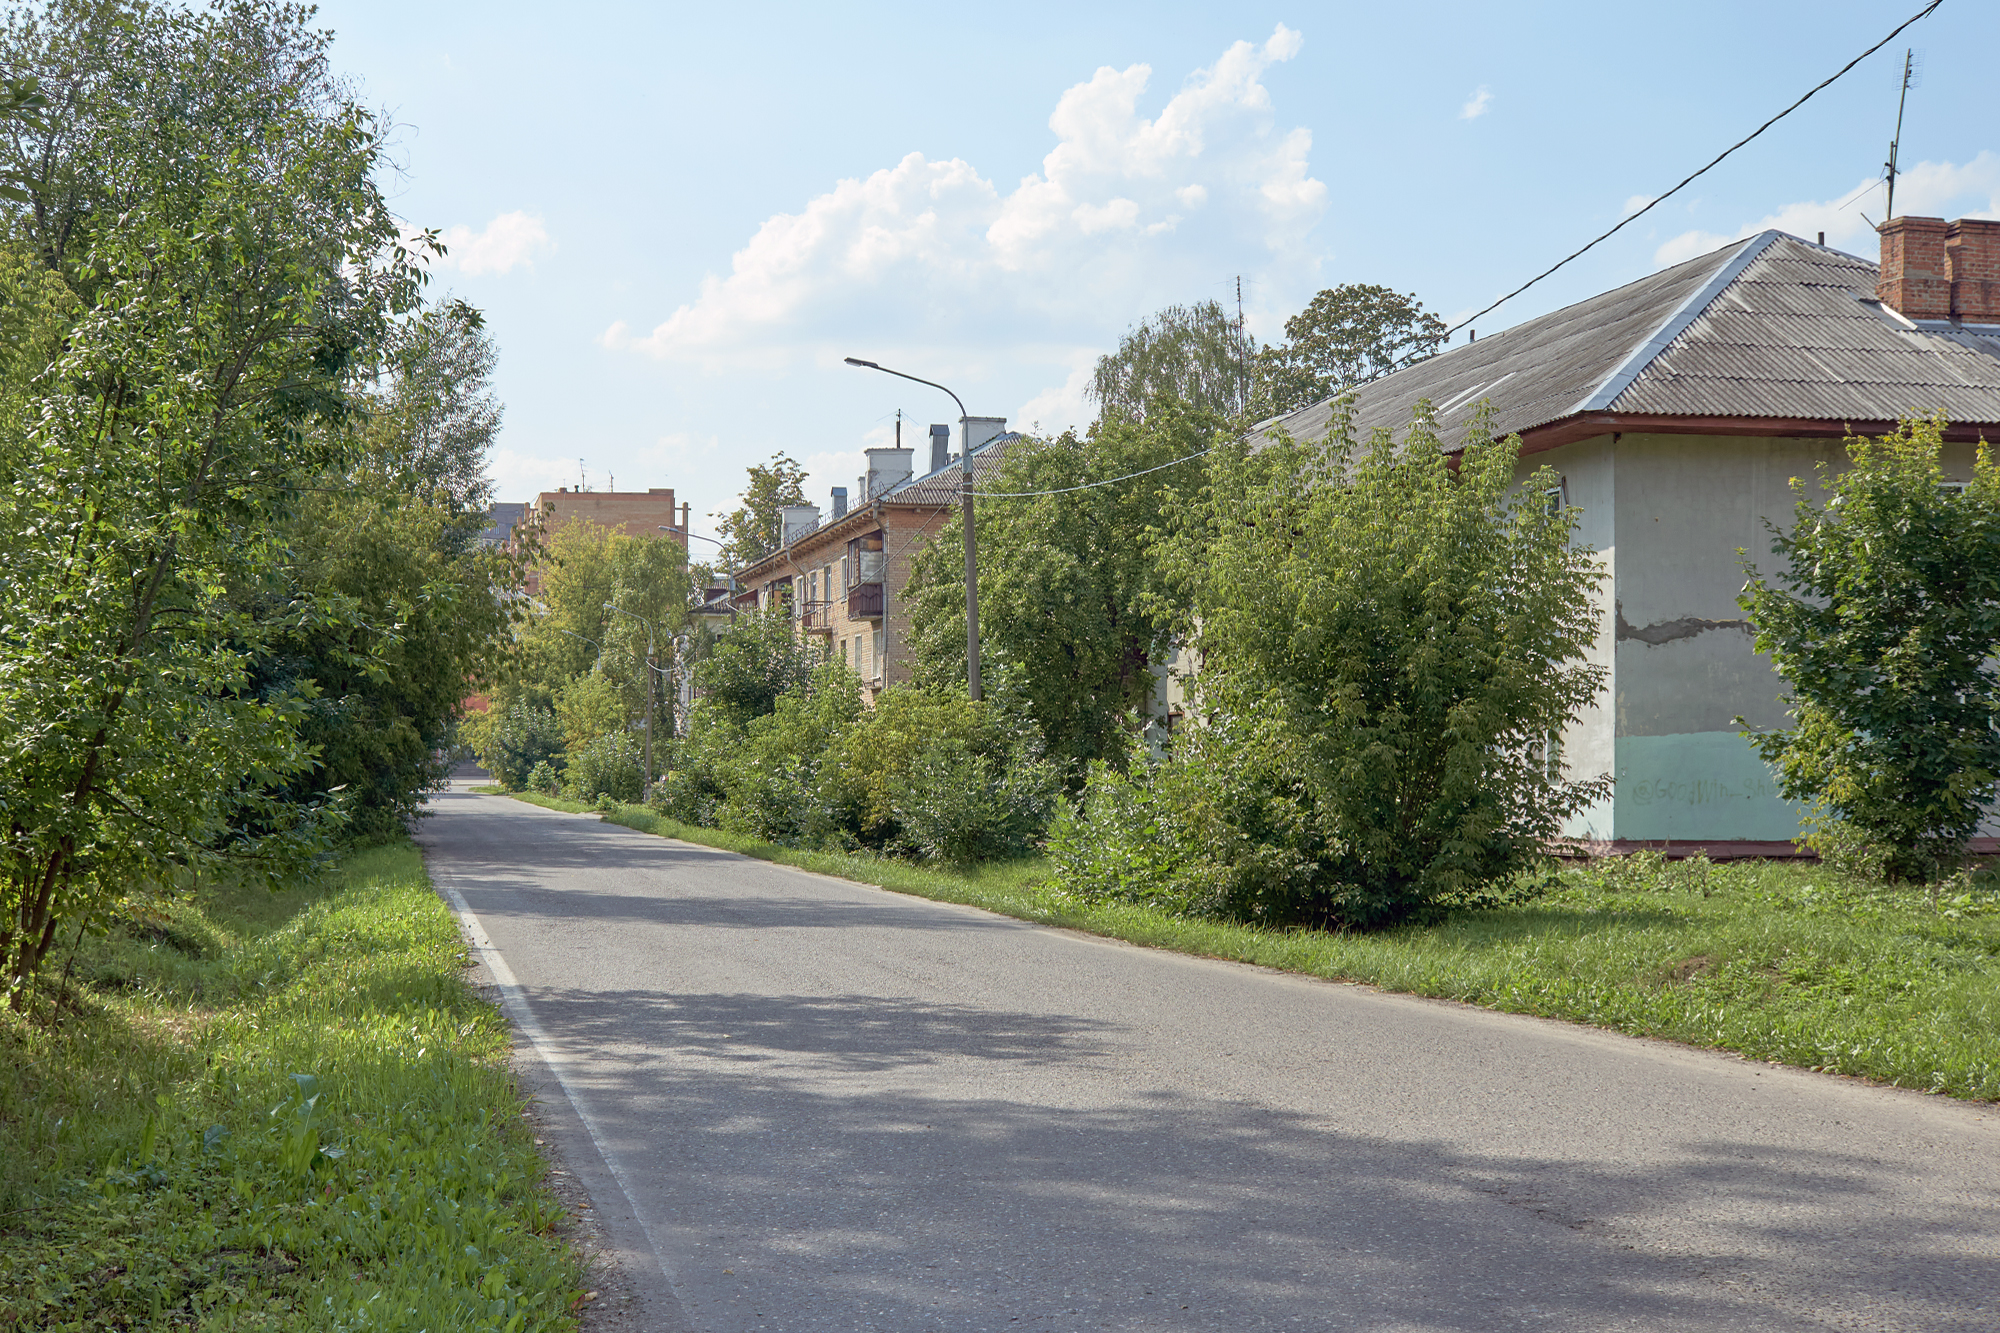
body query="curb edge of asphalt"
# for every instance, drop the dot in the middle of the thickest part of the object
(657, 1281)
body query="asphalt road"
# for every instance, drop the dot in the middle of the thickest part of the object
(823, 1107)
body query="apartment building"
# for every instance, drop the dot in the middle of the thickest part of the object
(842, 575)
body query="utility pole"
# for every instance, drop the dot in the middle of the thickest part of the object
(1895, 144)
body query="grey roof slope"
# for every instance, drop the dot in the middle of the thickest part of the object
(942, 486)
(1768, 327)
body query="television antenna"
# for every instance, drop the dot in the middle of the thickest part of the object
(1912, 68)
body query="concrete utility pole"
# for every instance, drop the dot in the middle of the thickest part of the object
(965, 510)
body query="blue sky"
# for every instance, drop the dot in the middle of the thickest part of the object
(679, 218)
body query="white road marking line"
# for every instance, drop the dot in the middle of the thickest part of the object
(515, 1001)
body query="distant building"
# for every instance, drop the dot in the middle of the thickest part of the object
(500, 521)
(631, 513)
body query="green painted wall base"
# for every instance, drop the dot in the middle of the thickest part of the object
(1705, 784)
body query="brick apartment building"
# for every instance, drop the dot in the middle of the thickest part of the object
(630, 513)
(842, 577)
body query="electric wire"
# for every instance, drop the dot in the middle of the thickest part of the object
(1577, 254)
(1689, 180)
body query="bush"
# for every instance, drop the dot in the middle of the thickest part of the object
(1882, 624)
(925, 772)
(611, 766)
(545, 778)
(522, 738)
(1389, 643)
(955, 804)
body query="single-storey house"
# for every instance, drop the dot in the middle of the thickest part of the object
(1675, 411)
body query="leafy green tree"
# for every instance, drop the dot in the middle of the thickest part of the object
(1389, 646)
(390, 541)
(1883, 624)
(1194, 357)
(761, 658)
(1073, 610)
(1346, 336)
(521, 738)
(204, 192)
(650, 585)
(755, 528)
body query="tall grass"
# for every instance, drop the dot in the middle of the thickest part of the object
(283, 1111)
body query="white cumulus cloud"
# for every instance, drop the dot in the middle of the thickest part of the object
(510, 240)
(1939, 189)
(1124, 214)
(1476, 105)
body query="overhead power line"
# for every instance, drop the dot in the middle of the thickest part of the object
(1577, 254)
(1689, 180)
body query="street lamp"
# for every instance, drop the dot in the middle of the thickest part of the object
(965, 509)
(650, 668)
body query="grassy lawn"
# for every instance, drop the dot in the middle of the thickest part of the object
(281, 1111)
(1779, 961)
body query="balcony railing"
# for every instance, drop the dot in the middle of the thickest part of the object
(816, 617)
(864, 601)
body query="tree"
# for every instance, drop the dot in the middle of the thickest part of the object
(756, 528)
(1194, 356)
(762, 657)
(1074, 615)
(1883, 625)
(391, 539)
(1390, 647)
(438, 407)
(1346, 336)
(225, 266)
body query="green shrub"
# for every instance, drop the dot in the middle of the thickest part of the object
(522, 738)
(955, 804)
(1883, 623)
(612, 765)
(1390, 632)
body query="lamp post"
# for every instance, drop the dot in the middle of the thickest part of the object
(965, 510)
(650, 668)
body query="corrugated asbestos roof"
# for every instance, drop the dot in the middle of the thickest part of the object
(942, 487)
(1769, 327)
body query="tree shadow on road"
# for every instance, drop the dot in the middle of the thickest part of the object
(837, 1171)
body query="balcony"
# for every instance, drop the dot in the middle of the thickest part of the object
(816, 618)
(864, 601)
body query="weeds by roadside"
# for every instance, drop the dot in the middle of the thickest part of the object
(1792, 962)
(283, 1111)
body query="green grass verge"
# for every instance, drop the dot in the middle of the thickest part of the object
(1779, 961)
(281, 1111)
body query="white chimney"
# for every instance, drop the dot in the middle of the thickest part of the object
(978, 430)
(795, 521)
(886, 468)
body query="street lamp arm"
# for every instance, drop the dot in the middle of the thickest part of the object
(870, 365)
(668, 527)
(965, 521)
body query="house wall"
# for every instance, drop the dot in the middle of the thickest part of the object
(1588, 472)
(1684, 666)
(880, 660)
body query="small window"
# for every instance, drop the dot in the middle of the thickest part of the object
(1556, 498)
(1952, 487)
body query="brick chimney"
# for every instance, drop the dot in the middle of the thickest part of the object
(1932, 269)
(1972, 257)
(1914, 281)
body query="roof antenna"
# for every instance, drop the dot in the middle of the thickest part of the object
(1909, 76)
